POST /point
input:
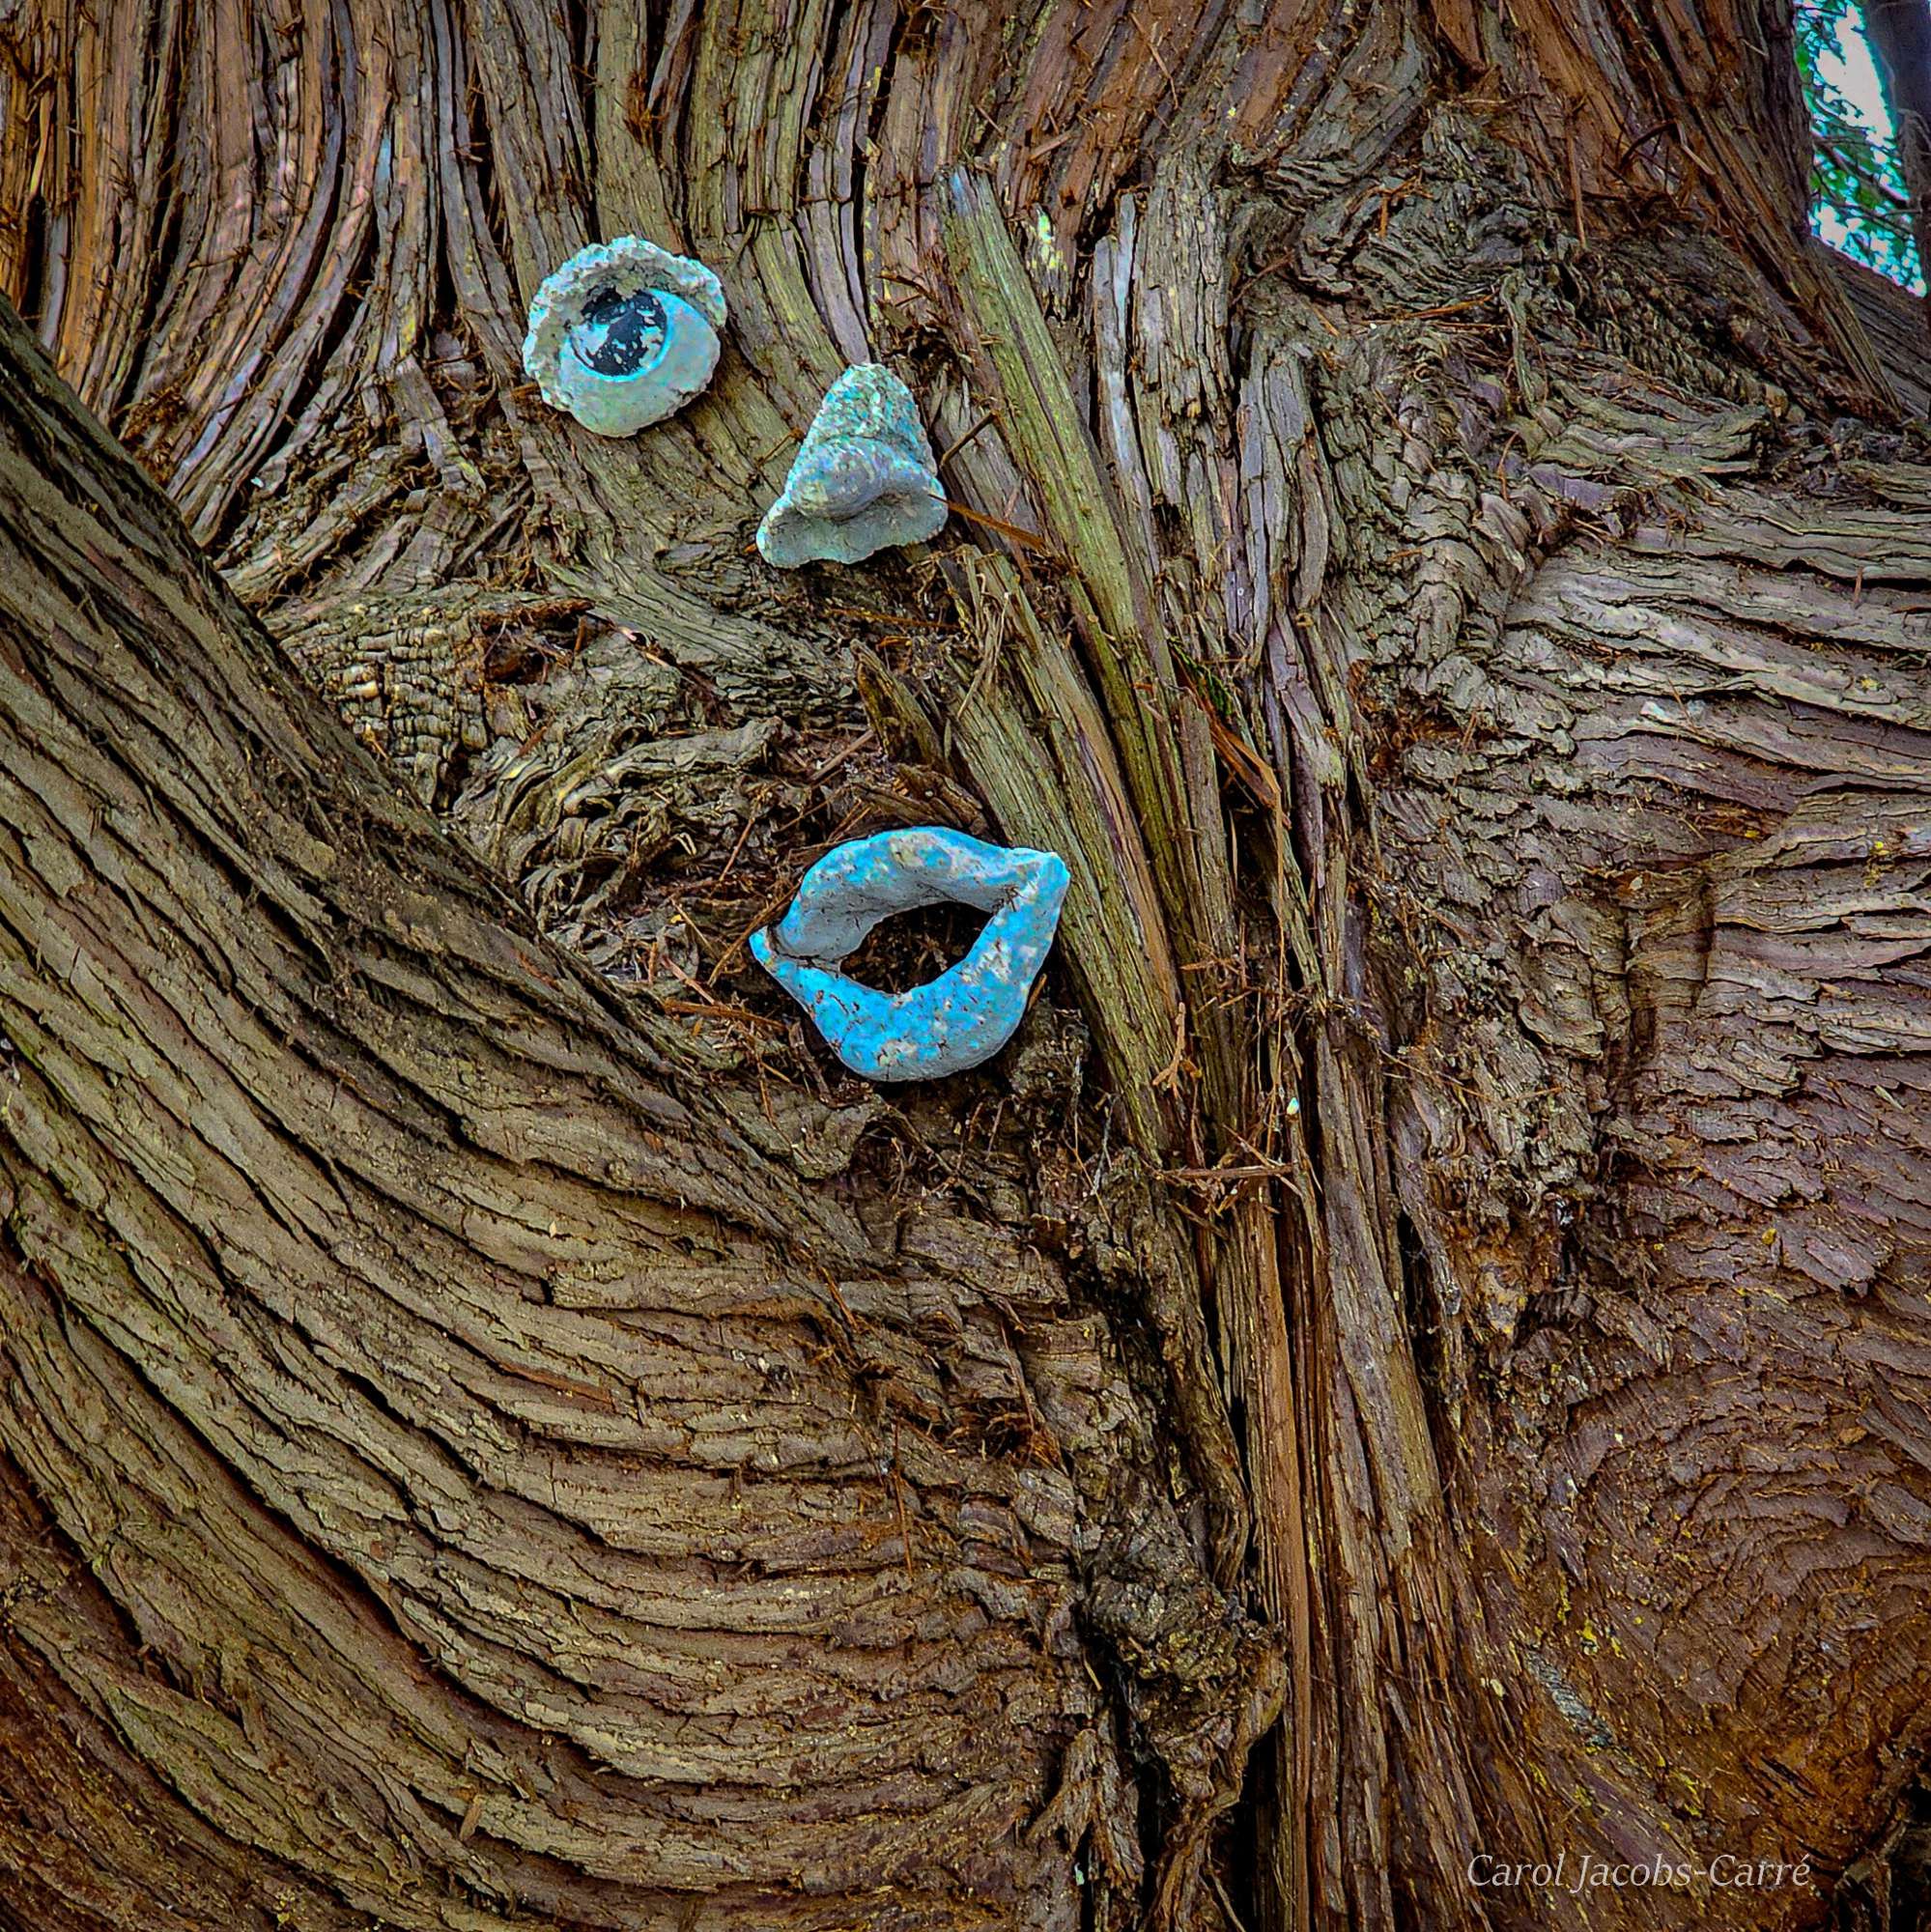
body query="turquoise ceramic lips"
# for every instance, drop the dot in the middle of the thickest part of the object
(965, 1016)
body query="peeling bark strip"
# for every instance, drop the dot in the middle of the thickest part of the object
(1441, 564)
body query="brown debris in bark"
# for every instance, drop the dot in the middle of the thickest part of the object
(491, 1437)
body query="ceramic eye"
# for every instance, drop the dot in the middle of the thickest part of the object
(624, 334)
(617, 334)
(863, 481)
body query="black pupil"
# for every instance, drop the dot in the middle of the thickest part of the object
(634, 327)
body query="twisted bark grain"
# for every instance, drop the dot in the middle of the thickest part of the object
(1441, 565)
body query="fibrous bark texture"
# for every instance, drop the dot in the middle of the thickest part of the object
(455, 1462)
(1435, 1290)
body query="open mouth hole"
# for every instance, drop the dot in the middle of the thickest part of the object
(911, 948)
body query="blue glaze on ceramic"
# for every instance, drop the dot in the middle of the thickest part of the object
(624, 334)
(965, 1016)
(863, 481)
(617, 334)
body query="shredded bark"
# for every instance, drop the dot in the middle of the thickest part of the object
(501, 1425)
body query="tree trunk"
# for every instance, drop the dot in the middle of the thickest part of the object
(1436, 1290)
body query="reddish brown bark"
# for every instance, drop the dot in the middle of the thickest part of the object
(1464, 625)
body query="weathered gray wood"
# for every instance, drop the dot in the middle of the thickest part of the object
(1437, 551)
